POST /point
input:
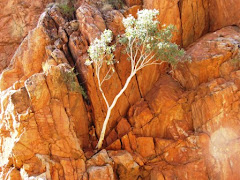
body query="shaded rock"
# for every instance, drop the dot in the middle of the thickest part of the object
(123, 127)
(78, 45)
(133, 10)
(229, 66)
(62, 34)
(114, 22)
(195, 20)
(21, 101)
(140, 114)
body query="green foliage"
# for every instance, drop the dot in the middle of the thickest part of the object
(100, 51)
(83, 92)
(117, 4)
(143, 33)
(144, 42)
(107, 5)
(235, 61)
(67, 10)
(69, 77)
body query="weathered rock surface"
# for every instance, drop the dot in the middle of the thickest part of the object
(182, 124)
(17, 19)
(191, 18)
(223, 13)
(194, 18)
(42, 113)
(172, 130)
(207, 55)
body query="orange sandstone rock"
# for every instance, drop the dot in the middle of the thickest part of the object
(223, 13)
(181, 127)
(17, 19)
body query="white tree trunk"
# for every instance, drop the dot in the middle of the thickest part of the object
(100, 142)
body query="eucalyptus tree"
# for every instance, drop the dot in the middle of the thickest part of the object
(146, 43)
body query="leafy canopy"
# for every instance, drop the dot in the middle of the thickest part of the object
(144, 38)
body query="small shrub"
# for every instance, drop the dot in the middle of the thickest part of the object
(117, 4)
(67, 10)
(105, 5)
(69, 77)
(236, 57)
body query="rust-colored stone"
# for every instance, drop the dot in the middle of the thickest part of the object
(223, 13)
(17, 19)
(180, 127)
(169, 13)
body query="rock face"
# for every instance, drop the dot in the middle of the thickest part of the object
(178, 124)
(17, 19)
(223, 13)
(194, 18)
(175, 130)
(211, 52)
(191, 18)
(42, 109)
